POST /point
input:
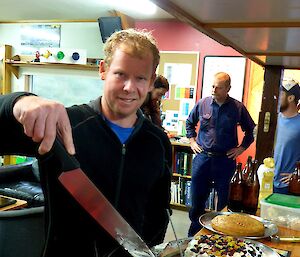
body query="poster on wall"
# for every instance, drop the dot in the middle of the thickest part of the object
(185, 92)
(233, 65)
(170, 122)
(34, 37)
(178, 73)
(185, 107)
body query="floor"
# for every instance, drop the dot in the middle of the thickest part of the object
(181, 222)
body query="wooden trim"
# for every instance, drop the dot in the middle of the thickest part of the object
(181, 176)
(180, 144)
(267, 24)
(6, 88)
(16, 64)
(273, 53)
(180, 207)
(265, 139)
(127, 21)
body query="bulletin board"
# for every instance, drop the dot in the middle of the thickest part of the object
(233, 65)
(182, 64)
(181, 70)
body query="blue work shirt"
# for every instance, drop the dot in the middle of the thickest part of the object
(218, 124)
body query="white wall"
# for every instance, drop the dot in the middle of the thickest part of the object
(85, 35)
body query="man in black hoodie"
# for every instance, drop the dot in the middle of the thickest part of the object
(125, 156)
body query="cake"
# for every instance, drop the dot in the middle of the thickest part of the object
(221, 246)
(236, 224)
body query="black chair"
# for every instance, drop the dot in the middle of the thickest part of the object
(22, 232)
(22, 181)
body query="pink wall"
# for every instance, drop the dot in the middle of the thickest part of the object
(177, 36)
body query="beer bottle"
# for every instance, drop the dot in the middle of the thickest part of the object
(236, 190)
(247, 168)
(294, 184)
(251, 190)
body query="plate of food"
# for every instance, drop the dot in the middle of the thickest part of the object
(217, 245)
(238, 224)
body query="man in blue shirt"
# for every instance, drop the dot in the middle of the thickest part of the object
(287, 150)
(216, 145)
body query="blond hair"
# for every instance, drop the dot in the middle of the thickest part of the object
(137, 43)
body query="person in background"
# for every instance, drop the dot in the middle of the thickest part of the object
(215, 145)
(151, 106)
(287, 150)
(124, 154)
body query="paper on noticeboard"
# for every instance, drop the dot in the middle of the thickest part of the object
(185, 107)
(178, 73)
(170, 122)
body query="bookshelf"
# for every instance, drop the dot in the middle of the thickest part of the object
(181, 199)
(181, 180)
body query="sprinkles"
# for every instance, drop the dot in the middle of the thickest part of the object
(221, 246)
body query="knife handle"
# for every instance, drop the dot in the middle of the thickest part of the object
(68, 162)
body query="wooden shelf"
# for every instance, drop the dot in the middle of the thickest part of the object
(15, 65)
(176, 143)
(178, 206)
(181, 176)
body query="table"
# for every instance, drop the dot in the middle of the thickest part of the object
(282, 232)
(19, 204)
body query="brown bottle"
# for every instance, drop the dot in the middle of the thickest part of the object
(247, 168)
(251, 191)
(236, 190)
(294, 184)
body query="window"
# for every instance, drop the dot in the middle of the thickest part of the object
(68, 90)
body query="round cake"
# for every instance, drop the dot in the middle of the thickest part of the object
(238, 225)
(221, 246)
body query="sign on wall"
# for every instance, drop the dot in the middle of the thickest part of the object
(34, 37)
(233, 65)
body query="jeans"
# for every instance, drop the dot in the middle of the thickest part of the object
(205, 170)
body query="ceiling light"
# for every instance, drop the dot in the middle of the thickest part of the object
(142, 6)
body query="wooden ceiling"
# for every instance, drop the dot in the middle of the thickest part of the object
(266, 31)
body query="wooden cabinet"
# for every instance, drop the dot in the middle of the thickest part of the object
(181, 180)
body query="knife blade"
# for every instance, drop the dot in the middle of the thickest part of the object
(96, 204)
(278, 239)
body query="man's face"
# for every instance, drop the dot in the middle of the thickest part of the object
(128, 79)
(284, 103)
(219, 90)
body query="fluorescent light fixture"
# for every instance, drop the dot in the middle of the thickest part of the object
(141, 6)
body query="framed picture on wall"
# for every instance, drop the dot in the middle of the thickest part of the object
(233, 65)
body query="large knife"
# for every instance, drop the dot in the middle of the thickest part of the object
(96, 204)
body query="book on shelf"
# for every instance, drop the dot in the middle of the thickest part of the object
(183, 163)
(181, 192)
(188, 193)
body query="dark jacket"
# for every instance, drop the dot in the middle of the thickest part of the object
(135, 177)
